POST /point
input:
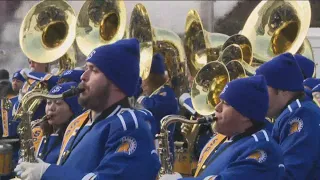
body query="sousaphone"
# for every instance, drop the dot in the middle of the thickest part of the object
(157, 40)
(200, 46)
(100, 22)
(47, 33)
(275, 27)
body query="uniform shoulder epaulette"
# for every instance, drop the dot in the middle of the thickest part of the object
(128, 118)
(145, 111)
(261, 136)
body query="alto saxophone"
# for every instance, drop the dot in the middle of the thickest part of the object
(164, 149)
(27, 150)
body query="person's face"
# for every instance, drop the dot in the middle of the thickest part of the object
(306, 87)
(16, 85)
(147, 90)
(229, 121)
(96, 88)
(316, 96)
(37, 67)
(276, 102)
(58, 112)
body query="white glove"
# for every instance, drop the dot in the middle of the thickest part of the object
(31, 171)
(174, 176)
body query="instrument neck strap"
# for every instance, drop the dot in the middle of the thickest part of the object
(212, 146)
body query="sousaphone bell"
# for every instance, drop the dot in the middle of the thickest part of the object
(100, 22)
(275, 27)
(48, 31)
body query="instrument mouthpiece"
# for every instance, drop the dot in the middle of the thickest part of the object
(73, 92)
(206, 119)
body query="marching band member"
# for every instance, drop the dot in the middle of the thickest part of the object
(59, 114)
(17, 81)
(248, 150)
(306, 65)
(71, 75)
(8, 127)
(38, 67)
(160, 99)
(110, 140)
(316, 94)
(307, 68)
(310, 83)
(297, 121)
(47, 80)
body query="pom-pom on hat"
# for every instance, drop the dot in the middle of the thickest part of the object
(306, 65)
(71, 101)
(119, 62)
(249, 96)
(157, 66)
(282, 72)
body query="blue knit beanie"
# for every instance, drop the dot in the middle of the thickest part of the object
(316, 88)
(71, 101)
(306, 65)
(249, 96)
(311, 82)
(139, 89)
(119, 62)
(17, 75)
(157, 66)
(73, 75)
(39, 76)
(282, 72)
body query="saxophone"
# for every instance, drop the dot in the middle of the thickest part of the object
(164, 150)
(27, 150)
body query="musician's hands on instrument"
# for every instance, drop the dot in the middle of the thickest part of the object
(31, 171)
(173, 176)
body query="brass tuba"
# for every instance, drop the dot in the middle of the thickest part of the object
(162, 41)
(201, 46)
(275, 27)
(238, 48)
(100, 22)
(47, 33)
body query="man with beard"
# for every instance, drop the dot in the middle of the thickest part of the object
(248, 152)
(17, 81)
(297, 118)
(110, 140)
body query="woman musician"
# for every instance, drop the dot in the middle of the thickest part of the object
(59, 114)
